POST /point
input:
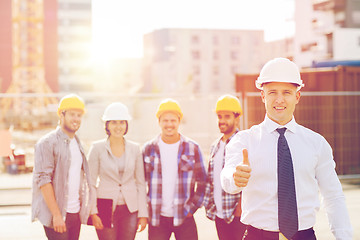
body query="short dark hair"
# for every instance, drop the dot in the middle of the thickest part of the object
(236, 114)
(108, 131)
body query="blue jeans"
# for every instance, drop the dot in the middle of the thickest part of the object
(186, 231)
(230, 231)
(124, 225)
(73, 226)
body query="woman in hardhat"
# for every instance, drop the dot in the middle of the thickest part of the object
(120, 208)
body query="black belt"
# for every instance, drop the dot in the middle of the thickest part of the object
(263, 234)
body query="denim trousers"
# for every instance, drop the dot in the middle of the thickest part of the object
(230, 231)
(124, 225)
(73, 225)
(186, 231)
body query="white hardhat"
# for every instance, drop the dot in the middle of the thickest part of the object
(279, 70)
(116, 111)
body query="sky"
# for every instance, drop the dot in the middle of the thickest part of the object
(119, 25)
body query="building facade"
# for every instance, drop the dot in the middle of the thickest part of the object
(74, 44)
(199, 60)
(326, 30)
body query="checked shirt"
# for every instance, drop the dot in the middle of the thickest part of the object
(190, 183)
(229, 201)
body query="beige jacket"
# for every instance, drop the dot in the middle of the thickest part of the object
(131, 185)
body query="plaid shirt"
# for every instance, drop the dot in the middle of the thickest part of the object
(229, 201)
(190, 183)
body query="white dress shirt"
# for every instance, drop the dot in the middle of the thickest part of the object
(314, 171)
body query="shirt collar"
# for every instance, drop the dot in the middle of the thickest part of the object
(271, 126)
(182, 139)
(62, 134)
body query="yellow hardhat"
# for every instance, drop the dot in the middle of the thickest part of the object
(169, 105)
(71, 101)
(228, 103)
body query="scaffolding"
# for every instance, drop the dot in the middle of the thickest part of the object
(28, 104)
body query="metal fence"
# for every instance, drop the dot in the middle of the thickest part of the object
(335, 115)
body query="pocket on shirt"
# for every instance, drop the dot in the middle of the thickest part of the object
(150, 163)
(187, 163)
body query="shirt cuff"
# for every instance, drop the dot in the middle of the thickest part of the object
(228, 183)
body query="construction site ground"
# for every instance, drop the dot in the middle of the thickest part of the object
(15, 213)
(15, 203)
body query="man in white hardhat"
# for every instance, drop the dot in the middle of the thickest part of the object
(280, 166)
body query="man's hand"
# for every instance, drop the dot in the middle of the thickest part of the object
(97, 222)
(142, 221)
(59, 224)
(242, 174)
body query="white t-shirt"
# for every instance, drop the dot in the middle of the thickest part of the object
(169, 170)
(218, 164)
(73, 204)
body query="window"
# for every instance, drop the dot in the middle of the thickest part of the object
(235, 40)
(195, 39)
(215, 55)
(195, 55)
(215, 84)
(308, 46)
(196, 86)
(196, 70)
(73, 22)
(234, 55)
(75, 6)
(234, 69)
(215, 40)
(216, 70)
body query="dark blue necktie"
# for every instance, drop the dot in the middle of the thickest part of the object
(287, 212)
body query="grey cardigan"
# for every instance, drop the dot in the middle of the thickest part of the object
(132, 186)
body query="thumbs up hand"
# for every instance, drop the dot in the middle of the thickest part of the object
(242, 174)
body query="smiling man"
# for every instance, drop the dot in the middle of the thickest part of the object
(61, 175)
(175, 175)
(280, 166)
(220, 206)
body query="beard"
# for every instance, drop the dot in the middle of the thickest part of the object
(226, 128)
(70, 128)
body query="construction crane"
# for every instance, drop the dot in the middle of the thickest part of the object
(29, 94)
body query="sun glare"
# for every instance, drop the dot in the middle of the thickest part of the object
(119, 26)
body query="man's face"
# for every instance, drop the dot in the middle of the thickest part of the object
(169, 123)
(280, 100)
(227, 122)
(71, 119)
